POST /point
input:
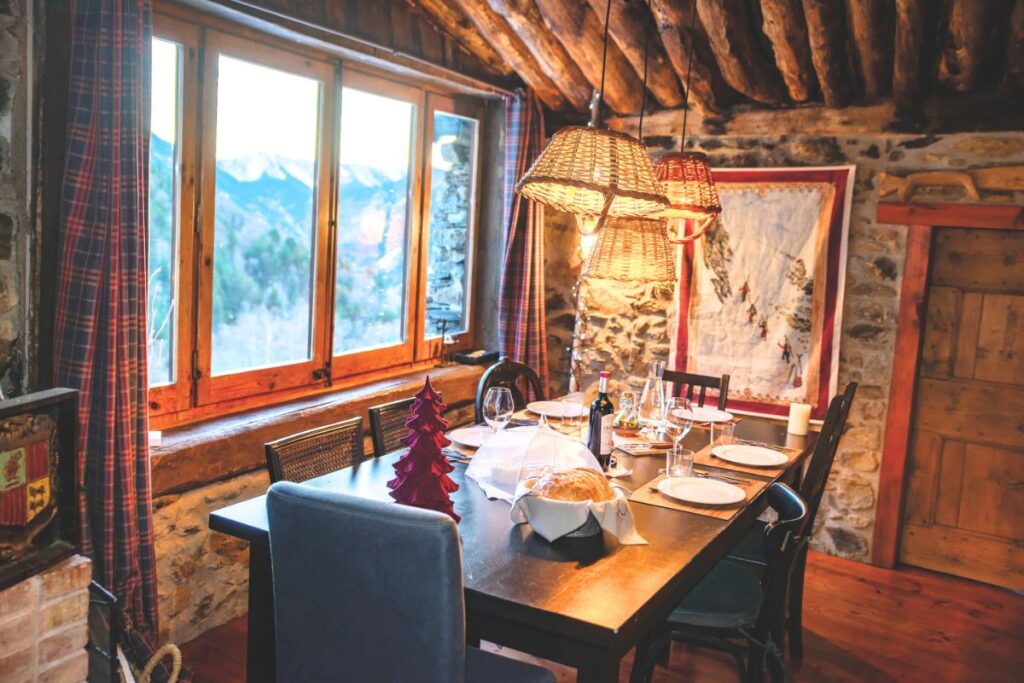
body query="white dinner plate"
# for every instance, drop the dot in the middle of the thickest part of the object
(554, 409)
(468, 437)
(701, 491)
(752, 456)
(705, 414)
(474, 437)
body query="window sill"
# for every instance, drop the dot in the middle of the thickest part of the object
(196, 454)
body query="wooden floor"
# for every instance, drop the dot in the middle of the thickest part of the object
(861, 623)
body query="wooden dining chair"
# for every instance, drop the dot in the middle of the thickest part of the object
(811, 489)
(738, 608)
(387, 425)
(694, 381)
(316, 452)
(517, 377)
(366, 590)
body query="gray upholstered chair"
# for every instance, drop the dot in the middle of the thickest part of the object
(372, 591)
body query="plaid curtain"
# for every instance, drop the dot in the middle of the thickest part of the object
(522, 327)
(100, 326)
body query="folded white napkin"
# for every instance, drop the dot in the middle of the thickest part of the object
(553, 519)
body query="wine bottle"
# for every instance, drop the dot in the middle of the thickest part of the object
(602, 415)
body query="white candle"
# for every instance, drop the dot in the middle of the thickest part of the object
(799, 418)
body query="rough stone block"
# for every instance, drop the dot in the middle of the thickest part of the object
(74, 669)
(72, 574)
(64, 611)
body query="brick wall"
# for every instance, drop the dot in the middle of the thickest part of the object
(43, 627)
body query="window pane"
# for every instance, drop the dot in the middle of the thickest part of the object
(267, 123)
(163, 211)
(373, 220)
(452, 201)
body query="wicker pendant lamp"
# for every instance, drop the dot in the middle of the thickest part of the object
(594, 173)
(632, 250)
(688, 181)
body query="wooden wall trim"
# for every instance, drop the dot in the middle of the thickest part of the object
(921, 219)
(910, 321)
(997, 216)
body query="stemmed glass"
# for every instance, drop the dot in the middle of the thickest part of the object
(678, 420)
(498, 408)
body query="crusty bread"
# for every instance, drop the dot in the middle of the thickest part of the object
(577, 484)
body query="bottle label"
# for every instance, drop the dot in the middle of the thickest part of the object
(606, 433)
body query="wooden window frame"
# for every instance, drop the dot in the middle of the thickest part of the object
(431, 343)
(196, 393)
(921, 221)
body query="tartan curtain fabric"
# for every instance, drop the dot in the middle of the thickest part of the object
(522, 326)
(100, 325)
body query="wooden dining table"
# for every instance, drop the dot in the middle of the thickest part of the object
(583, 602)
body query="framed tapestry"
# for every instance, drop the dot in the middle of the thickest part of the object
(760, 296)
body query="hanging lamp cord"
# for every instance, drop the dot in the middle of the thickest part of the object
(643, 102)
(596, 115)
(689, 72)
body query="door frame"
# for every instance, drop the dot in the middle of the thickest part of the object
(921, 221)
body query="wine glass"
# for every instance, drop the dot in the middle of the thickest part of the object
(498, 408)
(678, 418)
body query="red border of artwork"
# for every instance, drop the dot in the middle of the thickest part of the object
(839, 177)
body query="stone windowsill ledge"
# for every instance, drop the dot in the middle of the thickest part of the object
(197, 454)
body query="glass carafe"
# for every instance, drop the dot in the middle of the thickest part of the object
(652, 400)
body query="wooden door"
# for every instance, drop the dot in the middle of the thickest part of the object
(964, 511)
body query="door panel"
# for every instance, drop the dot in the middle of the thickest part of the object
(965, 486)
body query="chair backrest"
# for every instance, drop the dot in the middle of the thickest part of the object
(703, 382)
(316, 452)
(513, 375)
(364, 590)
(387, 425)
(783, 541)
(812, 486)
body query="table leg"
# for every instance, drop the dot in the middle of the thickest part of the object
(260, 660)
(601, 667)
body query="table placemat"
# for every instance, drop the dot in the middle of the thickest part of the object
(649, 494)
(705, 457)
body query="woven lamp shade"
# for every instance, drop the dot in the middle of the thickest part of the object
(632, 250)
(591, 171)
(689, 186)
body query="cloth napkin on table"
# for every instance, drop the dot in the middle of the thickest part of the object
(553, 519)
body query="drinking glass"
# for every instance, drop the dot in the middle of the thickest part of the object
(678, 418)
(572, 413)
(723, 433)
(679, 462)
(498, 408)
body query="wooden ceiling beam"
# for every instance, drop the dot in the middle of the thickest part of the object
(454, 23)
(680, 40)
(910, 54)
(511, 48)
(631, 27)
(737, 50)
(871, 33)
(826, 33)
(581, 33)
(1015, 49)
(971, 38)
(786, 29)
(525, 19)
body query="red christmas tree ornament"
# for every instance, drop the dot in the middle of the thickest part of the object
(422, 474)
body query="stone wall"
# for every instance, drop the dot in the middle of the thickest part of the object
(43, 627)
(17, 74)
(628, 326)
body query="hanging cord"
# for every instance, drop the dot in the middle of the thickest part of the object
(596, 115)
(643, 102)
(689, 71)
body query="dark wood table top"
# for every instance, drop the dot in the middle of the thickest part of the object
(592, 590)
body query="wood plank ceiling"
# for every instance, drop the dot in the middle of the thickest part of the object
(747, 54)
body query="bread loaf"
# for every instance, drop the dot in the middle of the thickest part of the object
(577, 484)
